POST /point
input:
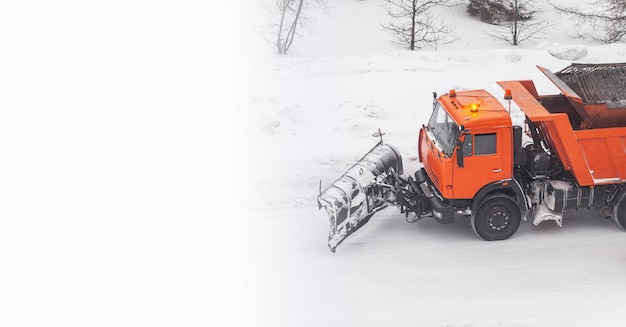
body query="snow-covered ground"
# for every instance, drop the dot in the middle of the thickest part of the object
(309, 115)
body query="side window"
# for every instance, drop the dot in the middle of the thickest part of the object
(468, 145)
(485, 144)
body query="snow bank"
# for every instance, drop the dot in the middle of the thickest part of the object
(568, 52)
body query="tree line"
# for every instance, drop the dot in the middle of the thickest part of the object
(413, 25)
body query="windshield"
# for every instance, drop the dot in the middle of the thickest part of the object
(443, 130)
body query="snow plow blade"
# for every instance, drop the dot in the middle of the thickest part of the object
(366, 188)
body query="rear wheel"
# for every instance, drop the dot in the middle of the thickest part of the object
(619, 211)
(497, 218)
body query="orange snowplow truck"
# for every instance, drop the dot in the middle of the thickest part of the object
(568, 153)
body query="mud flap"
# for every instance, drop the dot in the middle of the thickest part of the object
(366, 188)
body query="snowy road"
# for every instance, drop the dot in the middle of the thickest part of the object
(393, 273)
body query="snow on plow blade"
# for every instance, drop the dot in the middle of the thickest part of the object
(359, 193)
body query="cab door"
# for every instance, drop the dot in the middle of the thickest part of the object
(482, 162)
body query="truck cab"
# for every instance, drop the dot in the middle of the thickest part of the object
(467, 144)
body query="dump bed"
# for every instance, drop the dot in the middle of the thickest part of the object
(593, 156)
(596, 92)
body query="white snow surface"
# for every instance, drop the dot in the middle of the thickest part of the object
(309, 115)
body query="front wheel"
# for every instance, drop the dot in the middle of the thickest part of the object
(498, 217)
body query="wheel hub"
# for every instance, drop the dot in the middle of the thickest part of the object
(498, 219)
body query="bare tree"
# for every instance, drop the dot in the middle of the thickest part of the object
(519, 27)
(413, 24)
(606, 19)
(291, 17)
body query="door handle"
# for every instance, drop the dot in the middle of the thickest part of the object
(497, 170)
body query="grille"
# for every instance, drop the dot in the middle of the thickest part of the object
(433, 177)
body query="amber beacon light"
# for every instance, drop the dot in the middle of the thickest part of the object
(507, 94)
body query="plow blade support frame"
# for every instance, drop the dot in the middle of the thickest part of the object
(363, 190)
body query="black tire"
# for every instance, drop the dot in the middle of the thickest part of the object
(619, 211)
(497, 218)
